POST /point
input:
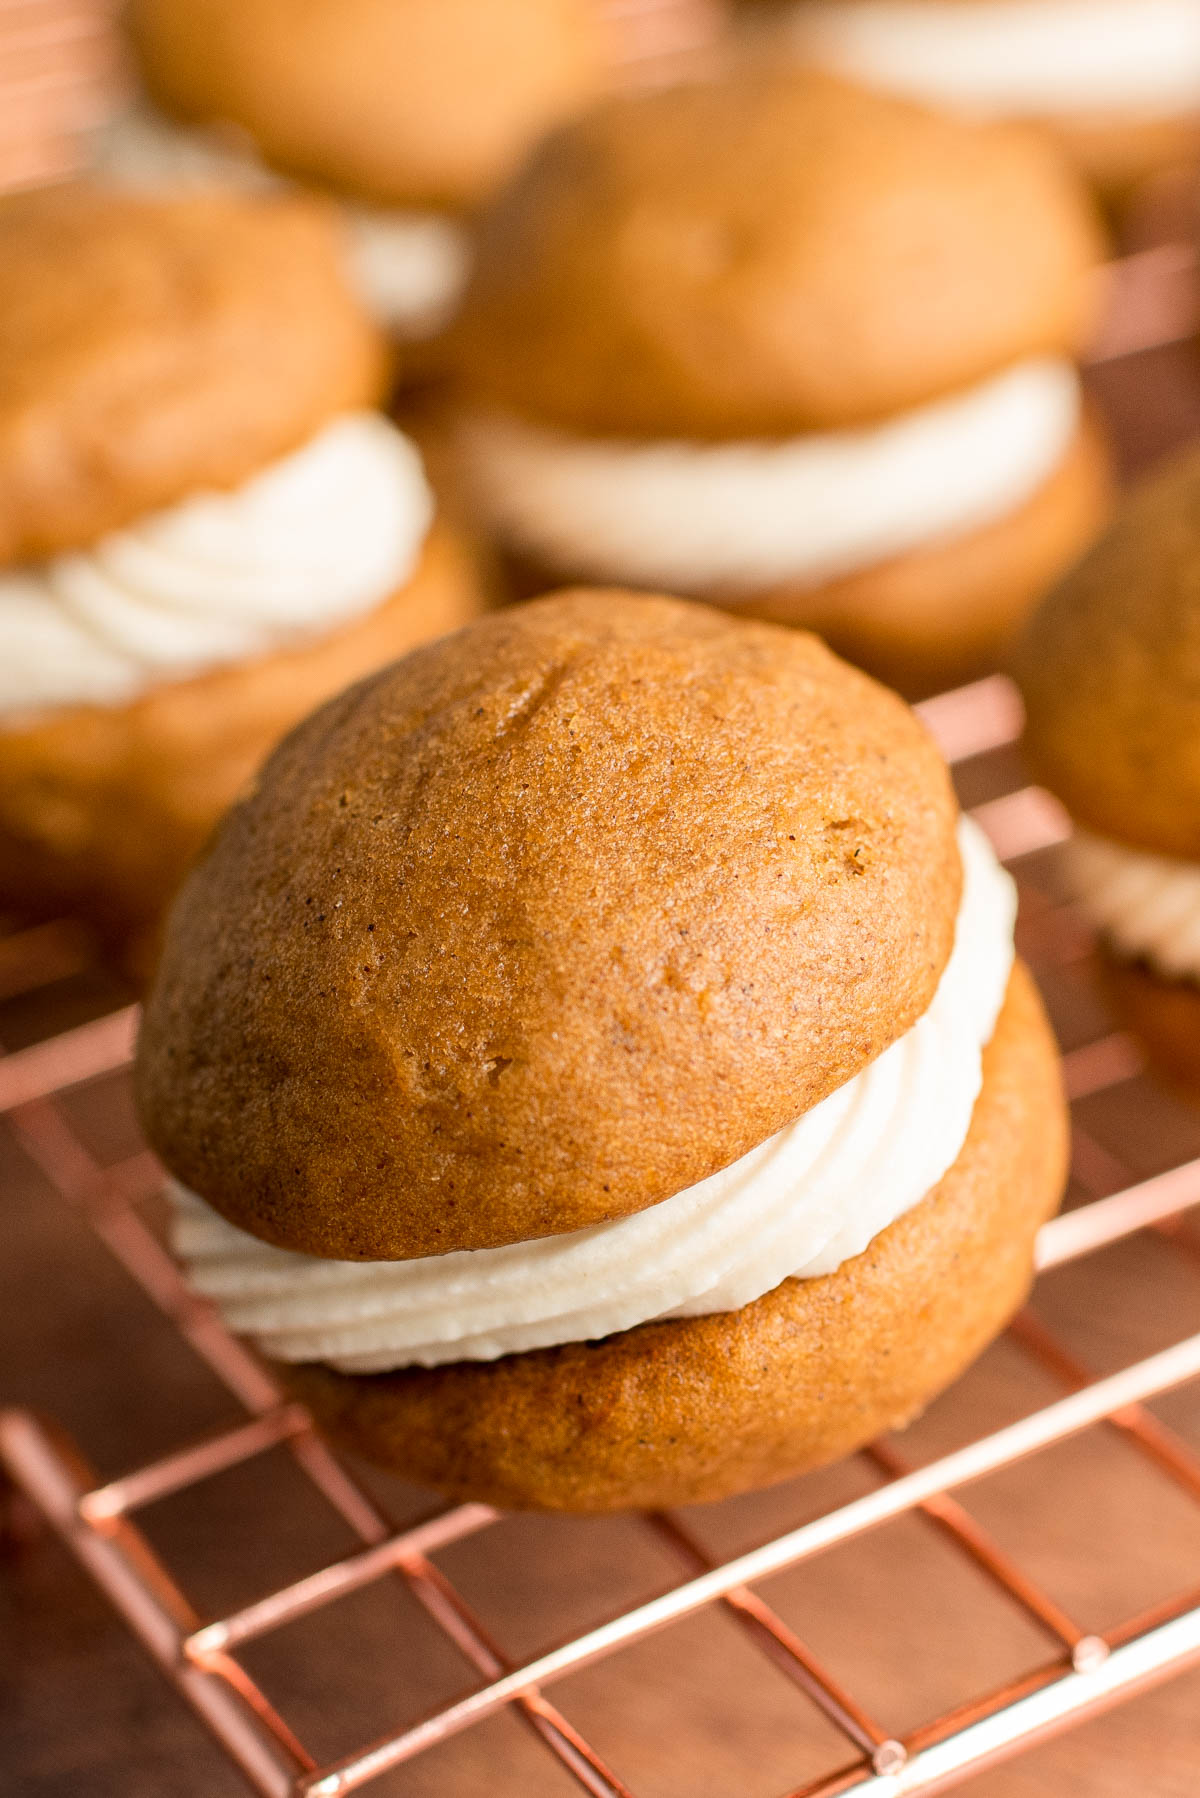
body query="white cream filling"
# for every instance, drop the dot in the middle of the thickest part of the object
(409, 267)
(1014, 56)
(1148, 906)
(800, 1204)
(140, 148)
(316, 538)
(749, 514)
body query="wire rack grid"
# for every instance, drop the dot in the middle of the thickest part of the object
(1084, 1671)
(60, 77)
(1080, 1670)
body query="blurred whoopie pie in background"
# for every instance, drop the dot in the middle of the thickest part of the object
(1110, 670)
(206, 527)
(800, 349)
(409, 111)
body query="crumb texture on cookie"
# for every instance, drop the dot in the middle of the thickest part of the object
(775, 252)
(403, 101)
(152, 347)
(542, 925)
(695, 1409)
(1109, 667)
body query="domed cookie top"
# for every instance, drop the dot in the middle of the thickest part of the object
(151, 347)
(544, 923)
(417, 101)
(1110, 671)
(774, 252)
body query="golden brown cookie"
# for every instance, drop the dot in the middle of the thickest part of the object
(544, 924)
(426, 102)
(102, 808)
(1109, 668)
(1164, 1015)
(770, 253)
(697, 1408)
(151, 347)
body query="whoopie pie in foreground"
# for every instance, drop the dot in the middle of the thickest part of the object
(796, 348)
(1110, 672)
(592, 1062)
(206, 527)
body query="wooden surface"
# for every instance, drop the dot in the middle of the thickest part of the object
(693, 1713)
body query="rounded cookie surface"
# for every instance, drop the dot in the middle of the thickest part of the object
(405, 101)
(773, 252)
(698, 1408)
(544, 924)
(1109, 668)
(151, 347)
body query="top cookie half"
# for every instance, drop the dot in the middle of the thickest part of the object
(151, 347)
(543, 924)
(774, 252)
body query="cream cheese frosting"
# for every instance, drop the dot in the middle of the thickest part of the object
(1014, 56)
(1148, 906)
(141, 148)
(316, 538)
(745, 515)
(803, 1202)
(410, 267)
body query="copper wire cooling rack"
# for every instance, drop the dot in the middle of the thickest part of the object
(60, 77)
(1072, 1667)
(1084, 1670)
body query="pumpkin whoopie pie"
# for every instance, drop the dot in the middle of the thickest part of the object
(593, 1062)
(821, 374)
(1117, 81)
(1110, 670)
(206, 527)
(410, 111)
